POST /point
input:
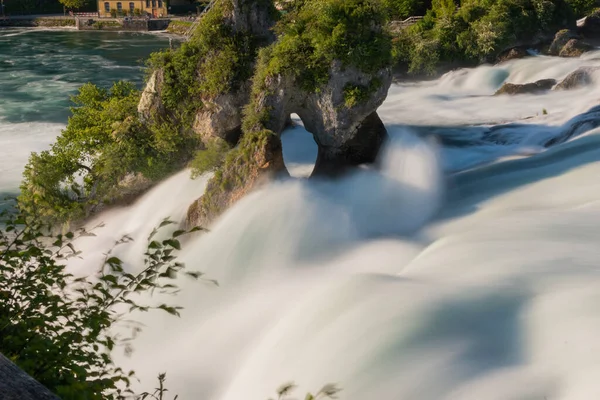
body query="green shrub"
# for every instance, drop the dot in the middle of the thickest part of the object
(402, 9)
(103, 142)
(356, 94)
(322, 31)
(210, 158)
(476, 32)
(58, 327)
(215, 60)
(581, 8)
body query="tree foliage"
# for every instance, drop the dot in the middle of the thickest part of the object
(329, 391)
(103, 143)
(314, 33)
(74, 3)
(58, 327)
(477, 31)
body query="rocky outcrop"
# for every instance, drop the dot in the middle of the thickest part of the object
(574, 48)
(221, 117)
(150, 101)
(589, 27)
(526, 88)
(560, 40)
(512, 54)
(218, 111)
(335, 93)
(579, 78)
(347, 134)
(256, 161)
(568, 43)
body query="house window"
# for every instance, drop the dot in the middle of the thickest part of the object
(160, 4)
(107, 6)
(153, 3)
(119, 6)
(131, 7)
(147, 3)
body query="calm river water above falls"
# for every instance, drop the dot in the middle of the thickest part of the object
(466, 268)
(40, 69)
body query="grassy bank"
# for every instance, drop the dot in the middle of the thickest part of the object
(179, 27)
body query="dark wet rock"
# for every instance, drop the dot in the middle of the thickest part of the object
(512, 54)
(575, 48)
(560, 40)
(568, 43)
(526, 88)
(579, 78)
(589, 27)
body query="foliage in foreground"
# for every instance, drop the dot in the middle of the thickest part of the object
(328, 391)
(59, 328)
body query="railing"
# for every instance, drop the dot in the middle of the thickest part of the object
(86, 14)
(406, 23)
(192, 28)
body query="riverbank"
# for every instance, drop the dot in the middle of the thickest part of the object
(171, 26)
(39, 22)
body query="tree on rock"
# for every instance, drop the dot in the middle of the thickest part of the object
(331, 65)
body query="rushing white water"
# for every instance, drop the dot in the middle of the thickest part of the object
(496, 297)
(461, 270)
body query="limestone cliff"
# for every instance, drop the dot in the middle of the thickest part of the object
(206, 79)
(335, 88)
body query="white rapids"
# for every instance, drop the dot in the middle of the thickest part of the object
(468, 267)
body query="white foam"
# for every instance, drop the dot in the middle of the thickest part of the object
(402, 283)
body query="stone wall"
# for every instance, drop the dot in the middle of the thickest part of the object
(129, 25)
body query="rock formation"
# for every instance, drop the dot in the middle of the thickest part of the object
(568, 43)
(346, 134)
(217, 105)
(589, 26)
(512, 54)
(574, 48)
(335, 96)
(577, 79)
(526, 88)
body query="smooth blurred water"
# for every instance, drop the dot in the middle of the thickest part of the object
(465, 268)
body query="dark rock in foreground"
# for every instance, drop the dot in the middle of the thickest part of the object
(526, 88)
(15, 384)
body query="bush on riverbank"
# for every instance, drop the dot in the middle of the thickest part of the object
(477, 31)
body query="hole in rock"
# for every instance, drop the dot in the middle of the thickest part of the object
(299, 149)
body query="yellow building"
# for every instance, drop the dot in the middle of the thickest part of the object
(155, 8)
